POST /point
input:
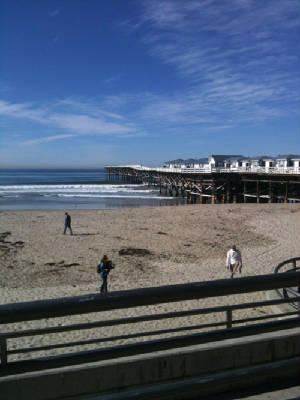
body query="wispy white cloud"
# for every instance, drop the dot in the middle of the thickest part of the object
(238, 63)
(88, 107)
(238, 58)
(45, 139)
(81, 118)
(113, 79)
(85, 124)
(23, 110)
(54, 13)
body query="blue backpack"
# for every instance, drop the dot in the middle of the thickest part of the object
(103, 269)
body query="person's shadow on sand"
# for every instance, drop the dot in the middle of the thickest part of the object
(85, 234)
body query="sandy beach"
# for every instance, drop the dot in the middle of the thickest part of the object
(178, 244)
(183, 244)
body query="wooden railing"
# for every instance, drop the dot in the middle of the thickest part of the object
(229, 327)
(209, 170)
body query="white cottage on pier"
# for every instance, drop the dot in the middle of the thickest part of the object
(291, 161)
(237, 163)
(224, 161)
(296, 163)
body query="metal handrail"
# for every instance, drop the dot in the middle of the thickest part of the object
(288, 290)
(142, 334)
(29, 311)
(151, 346)
(289, 261)
(53, 308)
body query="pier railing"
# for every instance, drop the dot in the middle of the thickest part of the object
(221, 329)
(210, 170)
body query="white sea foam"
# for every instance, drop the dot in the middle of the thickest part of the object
(74, 189)
(116, 196)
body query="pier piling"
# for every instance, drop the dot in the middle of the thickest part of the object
(214, 187)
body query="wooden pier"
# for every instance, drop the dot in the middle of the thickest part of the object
(215, 186)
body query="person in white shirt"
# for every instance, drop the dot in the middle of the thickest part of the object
(234, 260)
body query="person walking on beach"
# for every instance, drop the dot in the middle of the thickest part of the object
(234, 260)
(104, 269)
(68, 223)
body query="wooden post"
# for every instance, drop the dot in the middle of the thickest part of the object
(271, 197)
(187, 195)
(190, 194)
(257, 192)
(286, 192)
(229, 319)
(228, 195)
(213, 194)
(245, 197)
(3, 351)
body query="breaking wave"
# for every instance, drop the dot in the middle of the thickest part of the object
(71, 190)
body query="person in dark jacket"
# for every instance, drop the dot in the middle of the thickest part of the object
(104, 269)
(68, 223)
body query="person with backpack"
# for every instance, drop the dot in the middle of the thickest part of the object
(68, 223)
(104, 269)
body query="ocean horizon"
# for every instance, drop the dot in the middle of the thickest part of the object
(60, 189)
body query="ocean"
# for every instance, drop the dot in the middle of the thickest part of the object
(74, 189)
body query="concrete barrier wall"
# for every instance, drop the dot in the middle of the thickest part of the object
(84, 381)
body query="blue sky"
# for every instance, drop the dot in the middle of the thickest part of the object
(86, 83)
